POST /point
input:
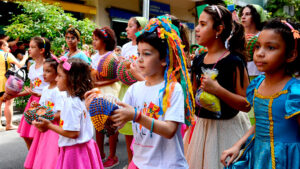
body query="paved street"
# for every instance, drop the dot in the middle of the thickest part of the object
(13, 150)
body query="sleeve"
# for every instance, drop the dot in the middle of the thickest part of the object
(251, 88)
(72, 122)
(176, 111)
(30, 72)
(292, 104)
(59, 101)
(85, 58)
(11, 58)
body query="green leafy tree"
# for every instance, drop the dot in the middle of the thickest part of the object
(276, 8)
(46, 20)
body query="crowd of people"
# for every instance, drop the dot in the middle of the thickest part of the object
(187, 106)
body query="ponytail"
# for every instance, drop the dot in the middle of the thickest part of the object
(236, 41)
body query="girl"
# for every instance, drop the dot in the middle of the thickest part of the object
(129, 50)
(104, 41)
(213, 134)
(39, 50)
(275, 97)
(73, 38)
(157, 105)
(77, 149)
(6, 60)
(46, 143)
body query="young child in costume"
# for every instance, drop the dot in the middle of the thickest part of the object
(129, 51)
(163, 102)
(72, 37)
(77, 149)
(45, 143)
(213, 133)
(39, 50)
(104, 63)
(274, 140)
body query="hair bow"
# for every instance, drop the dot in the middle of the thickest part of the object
(66, 65)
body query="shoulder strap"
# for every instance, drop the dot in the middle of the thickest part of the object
(6, 64)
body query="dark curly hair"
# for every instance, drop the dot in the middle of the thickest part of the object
(73, 31)
(255, 16)
(79, 78)
(108, 37)
(286, 33)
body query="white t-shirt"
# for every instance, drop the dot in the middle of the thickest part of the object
(75, 117)
(52, 98)
(128, 50)
(37, 79)
(96, 59)
(157, 152)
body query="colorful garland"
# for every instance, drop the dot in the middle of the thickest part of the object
(40, 111)
(176, 70)
(107, 67)
(100, 109)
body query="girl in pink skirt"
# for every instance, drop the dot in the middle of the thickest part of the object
(77, 149)
(45, 143)
(39, 49)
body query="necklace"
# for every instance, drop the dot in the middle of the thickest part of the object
(70, 54)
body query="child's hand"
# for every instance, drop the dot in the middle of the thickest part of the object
(232, 152)
(31, 92)
(42, 125)
(89, 96)
(122, 115)
(209, 85)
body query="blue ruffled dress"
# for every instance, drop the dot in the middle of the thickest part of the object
(276, 143)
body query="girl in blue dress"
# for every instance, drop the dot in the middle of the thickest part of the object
(274, 140)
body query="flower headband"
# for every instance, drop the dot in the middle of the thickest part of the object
(75, 30)
(294, 31)
(66, 65)
(176, 70)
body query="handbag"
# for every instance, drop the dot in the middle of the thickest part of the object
(21, 74)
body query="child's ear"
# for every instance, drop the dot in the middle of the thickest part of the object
(220, 29)
(42, 51)
(293, 57)
(163, 63)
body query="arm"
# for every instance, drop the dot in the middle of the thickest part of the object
(166, 129)
(235, 100)
(104, 83)
(46, 124)
(233, 152)
(21, 63)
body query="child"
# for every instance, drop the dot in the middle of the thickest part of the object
(73, 38)
(159, 105)
(39, 50)
(275, 97)
(77, 149)
(104, 41)
(6, 60)
(213, 134)
(129, 50)
(45, 144)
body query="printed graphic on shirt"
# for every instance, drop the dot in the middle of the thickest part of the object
(37, 82)
(151, 111)
(50, 104)
(61, 123)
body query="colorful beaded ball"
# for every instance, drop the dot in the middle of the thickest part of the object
(100, 109)
(40, 111)
(107, 67)
(124, 74)
(250, 46)
(13, 85)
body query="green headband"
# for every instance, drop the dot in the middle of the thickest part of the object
(142, 21)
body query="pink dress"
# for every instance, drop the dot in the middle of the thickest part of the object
(26, 130)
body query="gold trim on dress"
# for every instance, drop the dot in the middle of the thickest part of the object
(272, 133)
(269, 97)
(292, 115)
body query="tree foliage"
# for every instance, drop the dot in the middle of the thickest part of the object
(46, 20)
(276, 8)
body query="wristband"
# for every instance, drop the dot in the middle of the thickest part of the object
(152, 124)
(139, 116)
(135, 112)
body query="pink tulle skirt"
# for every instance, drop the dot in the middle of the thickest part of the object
(80, 156)
(25, 129)
(43, 152)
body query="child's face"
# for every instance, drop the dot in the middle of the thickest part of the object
(5, 47)
(61, 79)
(204, 30)
(97, 43)
(131, 29)
(71, 40)
(34, 51)
(148, 61)
(269, 54)
(49, 73)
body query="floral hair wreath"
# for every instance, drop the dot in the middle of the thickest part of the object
(176, 65)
